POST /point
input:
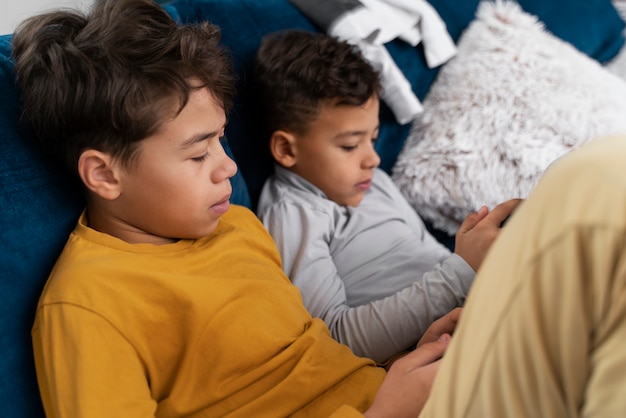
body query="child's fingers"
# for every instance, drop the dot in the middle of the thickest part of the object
(444, 325)
(496, 216)
(424, 354)
(503, 210)
(472, 219)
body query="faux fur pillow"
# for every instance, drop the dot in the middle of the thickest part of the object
(513, 100)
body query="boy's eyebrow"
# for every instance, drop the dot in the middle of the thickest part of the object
(199, 138)
(346, 134)
(349, 133)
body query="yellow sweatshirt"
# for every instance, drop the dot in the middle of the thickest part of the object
(198, 328)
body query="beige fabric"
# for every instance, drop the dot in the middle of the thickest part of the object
(544, 329)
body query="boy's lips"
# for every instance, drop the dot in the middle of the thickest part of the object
(364, 185)
(222, 206)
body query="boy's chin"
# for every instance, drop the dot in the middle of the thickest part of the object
(354, 202)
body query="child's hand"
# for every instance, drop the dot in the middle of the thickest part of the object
(479, 230)
(405, 390)
(444, 325)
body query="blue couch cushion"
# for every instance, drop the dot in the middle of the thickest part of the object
(39, 208)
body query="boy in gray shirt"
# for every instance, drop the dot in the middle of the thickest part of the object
(360, 255)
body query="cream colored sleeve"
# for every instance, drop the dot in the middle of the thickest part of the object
(543, 330)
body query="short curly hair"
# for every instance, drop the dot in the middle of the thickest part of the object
(297, 72)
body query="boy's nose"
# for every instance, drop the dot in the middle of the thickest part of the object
(230, 166)
(372, 160)
(226, 169)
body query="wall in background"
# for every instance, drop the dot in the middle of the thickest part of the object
(14, 11)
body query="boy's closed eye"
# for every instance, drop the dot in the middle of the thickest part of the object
(201, 158)
(350, 147)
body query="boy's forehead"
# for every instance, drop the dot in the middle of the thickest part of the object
(202, 116)
(341, 120)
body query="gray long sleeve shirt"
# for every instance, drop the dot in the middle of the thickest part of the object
(373, 273)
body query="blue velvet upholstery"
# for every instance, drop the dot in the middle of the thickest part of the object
(39, 205)
(38, 210)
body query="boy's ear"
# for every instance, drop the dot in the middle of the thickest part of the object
(283, 148)
(98, 172)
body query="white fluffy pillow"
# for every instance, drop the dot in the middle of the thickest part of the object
(513, 100)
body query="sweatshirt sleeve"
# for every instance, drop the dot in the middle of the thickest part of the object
(86, 368)
(381, 328)
(388, 326)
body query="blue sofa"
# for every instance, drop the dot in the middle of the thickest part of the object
(39, 204)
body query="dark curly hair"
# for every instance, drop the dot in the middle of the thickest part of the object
(110, 78)
(298, 72)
